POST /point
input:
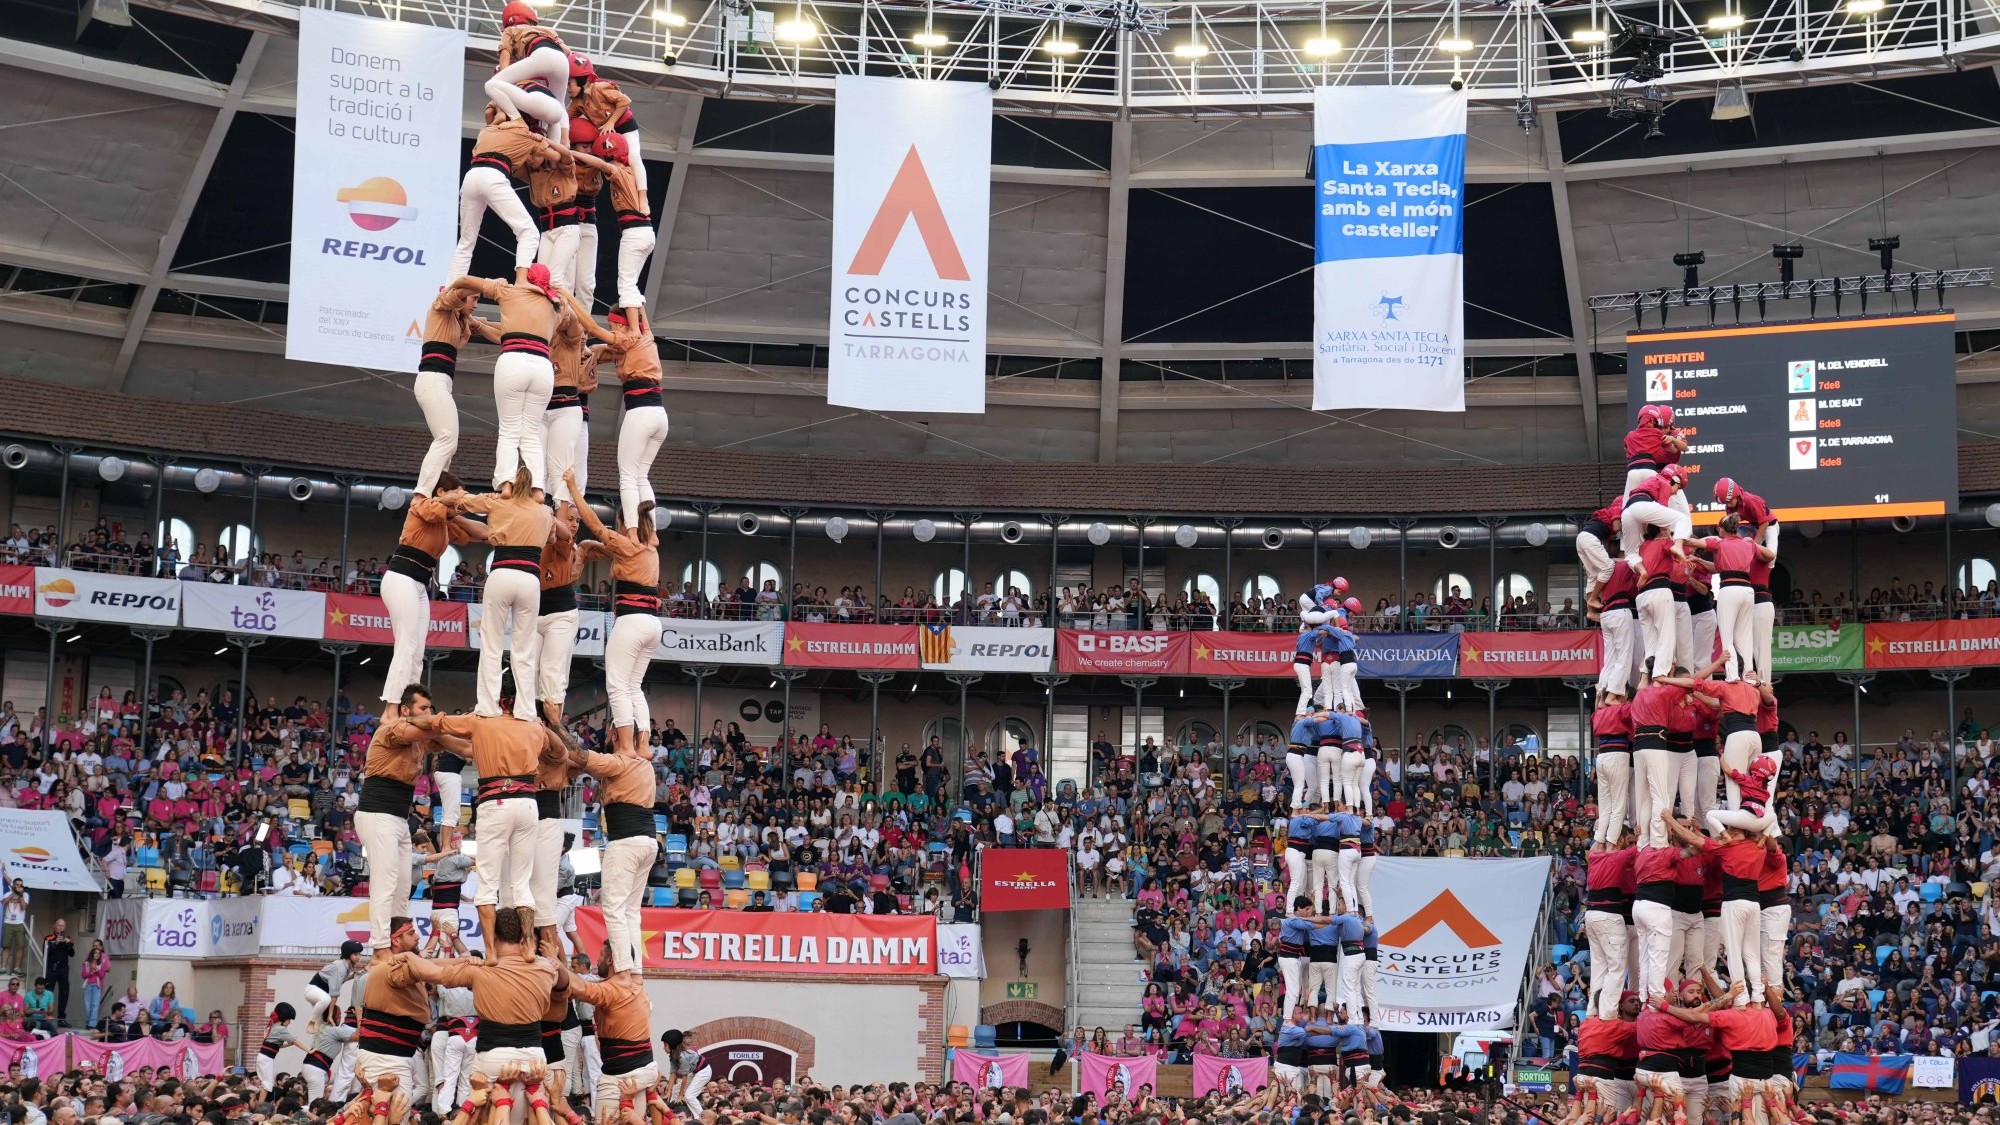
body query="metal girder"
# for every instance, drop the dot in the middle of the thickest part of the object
(1586, 367)
(1116, 235)
(170, 241)
(670, 207)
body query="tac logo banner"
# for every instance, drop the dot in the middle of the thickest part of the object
(1454, 939)
(374, 184)
(84, 596)
(1388, 248)
(912, 177)
(250, 609)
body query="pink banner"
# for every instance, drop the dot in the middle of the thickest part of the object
(989, 1072)
(1099, 1073)
(1231, 1076)
(185, 1058)
(39, 1058)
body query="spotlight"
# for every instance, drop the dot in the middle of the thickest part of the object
(1454, 45)
(1786, 253)
(1727, 21)
(1192, 49)
(1865, 8)
(1796, 53)
(798, 29)
(1732, 103)
(1690, 264)
(1457, 83)
(1590, 36)
(1060, 46)
(669, 17)
(930, 40)
(1886, 246)
(1321, 47)
(669, 58)
(1524, 115)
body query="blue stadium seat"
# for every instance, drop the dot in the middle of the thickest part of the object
(985, 1037)
(1562, 953)
(734, 880)
(807, 898)
(1875, 997)
(663, 896)
(1931, 892)
(1882, 953)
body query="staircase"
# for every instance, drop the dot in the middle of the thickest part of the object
(1105, 984)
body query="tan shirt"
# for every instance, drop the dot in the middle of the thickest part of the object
(447, 322)
(395, 991)
(640, 362)
(553, 184)
(511, 144)
(621, 780)
(625, 193)
(603, 103)
(552, 768)
(427, 526)
(396, 752)
(522, 307)
(511, 524)
(623, 1011)
(560, 563)
(566, 352)
(502, 746)
(505, 989)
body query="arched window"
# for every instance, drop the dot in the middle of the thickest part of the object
(1014, 580)
(1451, 735)
(766, 572)
(1974, 574)
(1514, 734)
(1008, 733)
(1517, 586)
(1445, 585)
(1203, 584)
(236, 543)
(176, 533)
(710, 582)
(948, 586)
(1196, 733)
(1249, 732)
(1261, 587)
(950, 735)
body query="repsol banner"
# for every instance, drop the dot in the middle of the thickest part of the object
(81, 595)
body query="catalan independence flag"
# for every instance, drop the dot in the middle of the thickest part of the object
(1877, 1074)
(935, 643)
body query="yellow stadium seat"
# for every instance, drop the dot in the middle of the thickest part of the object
(736, 899)
(156, 879)
(684, 878)
(299, 808)
(1979, 890)
(231, 882)
(808, 881)
(759, 880)
(732, 863)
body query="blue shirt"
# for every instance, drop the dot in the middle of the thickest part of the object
(1328, 934)
(1345, 726)
(1350, 928)
(1292, 1035)
(1304, 732)
(1320, 639)
(1302, 827)
(1342, 640)
(1347, 826)
(1350, 1037)
(1321, 1041)
(1326, 831)
(1369, 938)
(1367, 833)
(1374, 1039)
(1295, 931)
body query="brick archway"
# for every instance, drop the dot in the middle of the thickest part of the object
(760, 1030)
(1023, 1011)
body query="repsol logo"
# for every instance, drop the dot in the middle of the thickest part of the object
(372, 251)
(115, 599)
(1004, 651)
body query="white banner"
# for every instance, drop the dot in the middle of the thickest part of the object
(84, 596)
(374, 186)
(989, 648)
(912, 176)
(592, 625)
(251, 609)
(960, 953)
(1454, 940)
(323, 923)
(162, 927)
(118, 922)
(1933, 1072)
(721, 642)
(1389, 253)
(40, 851)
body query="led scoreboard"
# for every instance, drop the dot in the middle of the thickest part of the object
(1838, 419)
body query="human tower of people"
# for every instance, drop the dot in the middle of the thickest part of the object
(518, 1030)
(1685, 868)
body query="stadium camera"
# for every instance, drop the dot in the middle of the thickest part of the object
(300, 489)
(1647, 45)
(668, 58)
(1011, 532)
(15, 456)
(748, 523)
(1796, 54)
(1457, 83)
(1904, 524)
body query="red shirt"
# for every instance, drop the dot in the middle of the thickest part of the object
(1659, 1031)
(1742, 864)
(1742, 1029)
(1613, 871)
(1612, 718)
(1646, 446)
(1781, 1029)
(1610, 513)
(1775, 870)
(1688, 869)
(1654, 865)
(1618, 1039)
(1621, 586)
(1711, 886)
(1654, 706)
(1751, 509)
(1680, 720)
(1658, 489)
(1704, 721)
(1767, 717)
(1737, 698)
(1732, 552)
(1657, 560)
(1760, 572)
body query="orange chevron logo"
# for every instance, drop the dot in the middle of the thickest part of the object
(910, 196)
(1444, 910)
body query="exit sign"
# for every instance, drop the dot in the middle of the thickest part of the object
(1022, 989)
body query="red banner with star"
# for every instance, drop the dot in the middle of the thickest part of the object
(810, 645)
(1023, 879)
(1242, 654)
(792, 943)
(365, 620)
(1931, 644)
(1572, 653)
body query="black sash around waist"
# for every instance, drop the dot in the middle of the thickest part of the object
(637, 395)
(493, 1036)
(388, 1034)
(447, 896)
(413, 563)
(386, 795)
(623, 1056)
(526, 342)
(501, 788)
(552, 1048)
(548, 804)
(624, 821)
(634, 597)
(564, 397)
(558, 599)
(516, 558)
(318, 1059)
(1719, 1067)
(1738, 889)
(1286, 1056)
(438, 355)
(1661, 892)
(1596, 529)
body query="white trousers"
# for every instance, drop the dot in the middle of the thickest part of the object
(450, 785)
(1614, 790)
(640, 433)
(1351, 762)
(509, 603)
(1743, 819)
(1322, 976)
(1350, 685)
(1304, 672)
(522, 384)
(1657, 628)
(1734, 613)
(1347, 862)
(1607, 961)
(547, 860)
(1328, 758)
(317, 999)
(440, 410)
(635, 245)
(486, 189)
(1301, 767)
(1329, 679)
(628, 651)
(1655, 923)
(558, 252)
(1292, 972)
(1707, 626)
(1620, 651)
(385, 841)
(1656, 776)
(491, 1062)
(344, 1064)
(449, 1085)
(317, 1078)
(559, 447)
(1692, 938)
(1364, 874)
(267, 1071)
(1774, 931)
(626, 864)
(1640, 514)
(409, 606)
(1368, 993)
(505, 830)
(1707, 772)
(692, 1094)
(555, 641)
(1350, 984)
(1595, 560)
(1298, 867)
(1763, 618)
(1741, 918)
(586, 260)
(1324, 877)
(606, 1088)
(551, 66)
(1684, 635)
(1736, 753)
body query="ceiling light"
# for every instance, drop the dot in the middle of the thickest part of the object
(1193, 49)
(1452, 44)
(1727, 21)
(223, 649)
(798, 30)
(1060, 46)
(931, 39)
(1322, 46)
(1589, 35)
(1865, 7)
(1732, 103)
(670, 17)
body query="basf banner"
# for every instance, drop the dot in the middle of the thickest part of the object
(792, 943)
(912, 168)
(39, 849)
(81, 595)
(252, 609)
(1122, 653)
(1388, 248)
(374, 186)
(1454, 940)
(721, 642)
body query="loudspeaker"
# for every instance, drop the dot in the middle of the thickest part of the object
(102, 23)
(300, 489)
(1010, 532)
(1448, 537)
(1274, 538)
(15, 456)
(748, 523)
(1904, 524)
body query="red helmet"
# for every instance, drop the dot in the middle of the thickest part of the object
(1675, 474)
(611, 146)
(580, 66)
(1726, 491)
(1340, 585)
(518, 12)
(1654, 414)
(582, 133)
(1352, 605)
